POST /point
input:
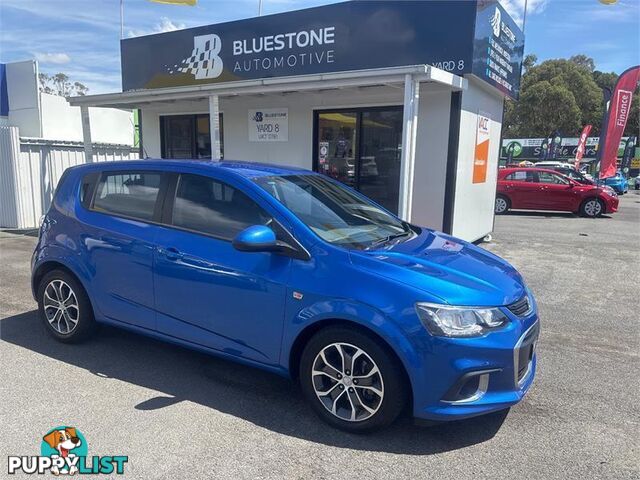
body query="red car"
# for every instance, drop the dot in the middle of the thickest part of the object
(542, 189)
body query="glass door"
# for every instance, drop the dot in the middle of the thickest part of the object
(188, 136)
(337, 145)
(380, 148)
(361, 148)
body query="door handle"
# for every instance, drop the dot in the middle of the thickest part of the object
(171, 253)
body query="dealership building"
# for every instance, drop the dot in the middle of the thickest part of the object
(401, 100)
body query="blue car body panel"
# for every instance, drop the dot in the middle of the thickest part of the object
(241, 305)
(618, 182)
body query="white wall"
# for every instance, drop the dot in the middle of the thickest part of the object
(474, 203)
(297, 151)
(62, 122)
(431, 156)
(22, 90)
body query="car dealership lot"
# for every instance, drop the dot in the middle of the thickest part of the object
(176, 413)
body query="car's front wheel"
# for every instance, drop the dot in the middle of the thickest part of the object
(65, 307)
(352, 380)
(592, 207)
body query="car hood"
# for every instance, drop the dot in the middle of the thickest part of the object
(450, 270)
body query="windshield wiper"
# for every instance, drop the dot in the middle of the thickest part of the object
(388, 239)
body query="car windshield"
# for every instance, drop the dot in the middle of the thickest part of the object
(333, 212)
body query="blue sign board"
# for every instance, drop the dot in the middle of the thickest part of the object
(453, 36)
(4, 98)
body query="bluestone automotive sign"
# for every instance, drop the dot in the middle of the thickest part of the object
(458, 37)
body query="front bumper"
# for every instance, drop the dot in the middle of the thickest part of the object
(476, 376)
(612, 205)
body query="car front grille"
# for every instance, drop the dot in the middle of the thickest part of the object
(521, 307)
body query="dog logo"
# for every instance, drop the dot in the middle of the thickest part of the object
(64, 442)
(64, 451)
(496, 22)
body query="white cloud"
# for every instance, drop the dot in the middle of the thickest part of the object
(165, 25)
(515, 8)
(53, 58)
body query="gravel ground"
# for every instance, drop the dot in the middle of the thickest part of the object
(180, 414)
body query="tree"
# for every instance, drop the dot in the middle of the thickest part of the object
(60, 84)
(584, 62)
(529, 61)
(538, 112)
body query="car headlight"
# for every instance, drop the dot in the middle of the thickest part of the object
(447, 321)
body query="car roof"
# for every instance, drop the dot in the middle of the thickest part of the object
(529, 169)
(240, 168)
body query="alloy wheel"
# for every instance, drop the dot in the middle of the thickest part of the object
(61, 307)
(501, 205)
(593, 208)
(347, 382)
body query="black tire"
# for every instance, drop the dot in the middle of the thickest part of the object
(498, 208)
(392, 377)
(85, 324)
(585, 210)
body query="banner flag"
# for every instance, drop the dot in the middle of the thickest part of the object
(616, 120)
(629, 150)
(582, 144)
(191, 3)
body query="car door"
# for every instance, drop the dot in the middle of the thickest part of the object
(520, 189)
(207, 292)
(556, 192)
(119, 237)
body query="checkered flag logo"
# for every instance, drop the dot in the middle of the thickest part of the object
(204, 61)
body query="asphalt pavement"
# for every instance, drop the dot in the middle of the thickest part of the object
(179, 414)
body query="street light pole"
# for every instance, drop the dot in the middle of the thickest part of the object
(524, 16)
(121, 19)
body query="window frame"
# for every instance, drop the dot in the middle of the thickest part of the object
(554, 174)
(528, 175)
(160, 199)
(291, 247)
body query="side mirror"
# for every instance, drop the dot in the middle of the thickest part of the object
(257, 238)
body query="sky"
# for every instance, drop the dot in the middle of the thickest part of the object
(81, 37)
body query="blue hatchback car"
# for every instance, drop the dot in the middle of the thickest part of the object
(618, 182)
(292, 272)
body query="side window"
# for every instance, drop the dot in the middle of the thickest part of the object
(548, 177)
(131, 194)
(87, 187)
(520, 176)
(206, 205)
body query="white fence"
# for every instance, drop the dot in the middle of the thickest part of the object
(30, 169)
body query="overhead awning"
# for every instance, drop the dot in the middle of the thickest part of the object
(393, 76)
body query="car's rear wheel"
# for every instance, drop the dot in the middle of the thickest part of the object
(592, 207)
(502, 204)
(65, 307)
(352, 380)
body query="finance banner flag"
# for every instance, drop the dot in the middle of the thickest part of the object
(616, 120)
(582, 144)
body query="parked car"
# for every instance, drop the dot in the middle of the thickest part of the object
(292, 272)
(618, 182)
(544, 189)
(637, 183)
(569, 171)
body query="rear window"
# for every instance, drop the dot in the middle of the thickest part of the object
(131, 194)
(521, 176)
